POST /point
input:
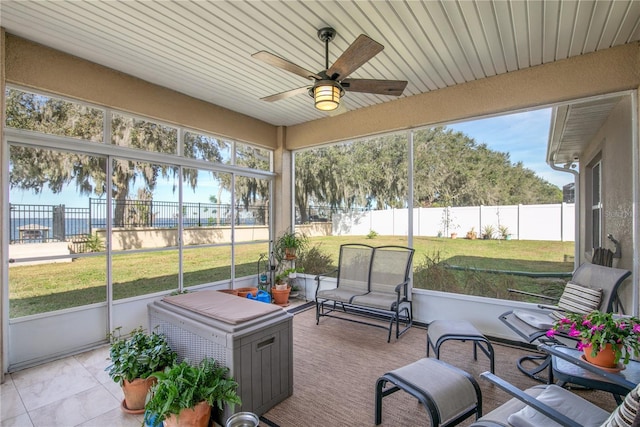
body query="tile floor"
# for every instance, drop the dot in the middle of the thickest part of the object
(75, 391)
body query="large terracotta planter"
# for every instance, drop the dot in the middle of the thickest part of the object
(135, 394)
(198, 416)
(280, 297)
(604, 357)
(243, 292)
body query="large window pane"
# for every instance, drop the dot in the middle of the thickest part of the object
(253, 157)
(247, 257)
(144, 272)
(53, 116)
(50, 216)
(209, 148)
(206, 207)
(206, 265)
(144, 135)
(252, 208)
(145, 204)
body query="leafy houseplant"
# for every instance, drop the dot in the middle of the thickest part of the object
(488, 231)
(472, 234)
(134, 358)
(504, 232)
(182, 386)
(289, 242)
(597, 329)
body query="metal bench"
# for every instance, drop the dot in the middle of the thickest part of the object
(371, 282)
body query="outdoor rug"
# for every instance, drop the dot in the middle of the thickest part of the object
(337, 363)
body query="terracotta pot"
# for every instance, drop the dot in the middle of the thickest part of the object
(289, 253)
(280, 297)
(604, 357)
(243, 292)
(198, 416)
(135, 394)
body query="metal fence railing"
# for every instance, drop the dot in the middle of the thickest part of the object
(47, 223)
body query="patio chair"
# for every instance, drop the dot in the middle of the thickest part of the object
(543, 405)
(591, 287)
(351, 276)
(372, 283)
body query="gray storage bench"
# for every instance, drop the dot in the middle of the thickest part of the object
(440, 331)
(253, 339)
(449, 395)
(370, 282)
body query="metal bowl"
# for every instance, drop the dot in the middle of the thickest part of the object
(243, 419)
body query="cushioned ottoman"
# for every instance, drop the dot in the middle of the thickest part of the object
(449, 395)
(440, 331)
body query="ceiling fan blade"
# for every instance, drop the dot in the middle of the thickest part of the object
(360, 51)
(380, 87)
(287, 94)
(276, 61)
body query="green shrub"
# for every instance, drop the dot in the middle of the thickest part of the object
(315, 261)
(372, 234)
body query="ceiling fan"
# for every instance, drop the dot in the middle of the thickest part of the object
(332, 82)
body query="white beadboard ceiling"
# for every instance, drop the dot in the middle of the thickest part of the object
(203, 48)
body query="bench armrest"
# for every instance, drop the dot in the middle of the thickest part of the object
(318, 278)
(530, 400)
(402, 287)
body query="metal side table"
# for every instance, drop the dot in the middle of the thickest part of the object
(582, 373)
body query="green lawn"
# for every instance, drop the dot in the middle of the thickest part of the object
(46, 287)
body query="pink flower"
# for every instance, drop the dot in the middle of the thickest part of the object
(582, 345)
(636, 329)
(574, 333)
(551, 333)
(564, 320)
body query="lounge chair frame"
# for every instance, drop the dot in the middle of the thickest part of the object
(590, 275)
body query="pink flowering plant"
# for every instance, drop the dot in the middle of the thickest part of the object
(597, 329)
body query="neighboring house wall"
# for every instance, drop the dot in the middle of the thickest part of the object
(614, 145)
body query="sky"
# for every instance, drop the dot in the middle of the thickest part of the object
(523, 135)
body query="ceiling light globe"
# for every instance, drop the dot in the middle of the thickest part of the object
(326, 94)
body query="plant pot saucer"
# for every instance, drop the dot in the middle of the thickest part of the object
(284, 305)
(617, 369)
(124, 408)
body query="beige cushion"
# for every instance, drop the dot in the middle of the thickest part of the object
(565, 402)
(221, 306)
(624, 414)
(577, 299)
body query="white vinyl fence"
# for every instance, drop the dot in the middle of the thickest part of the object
(524, 222)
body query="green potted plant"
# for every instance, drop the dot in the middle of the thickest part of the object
(288, 243)
(185, 393)
(504, 232)
(134, 358)
(488, 231)
(602, 332)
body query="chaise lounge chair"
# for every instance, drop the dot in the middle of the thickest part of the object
(543, 405)
(591, 287)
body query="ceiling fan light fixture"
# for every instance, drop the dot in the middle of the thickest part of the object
(327, 94)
